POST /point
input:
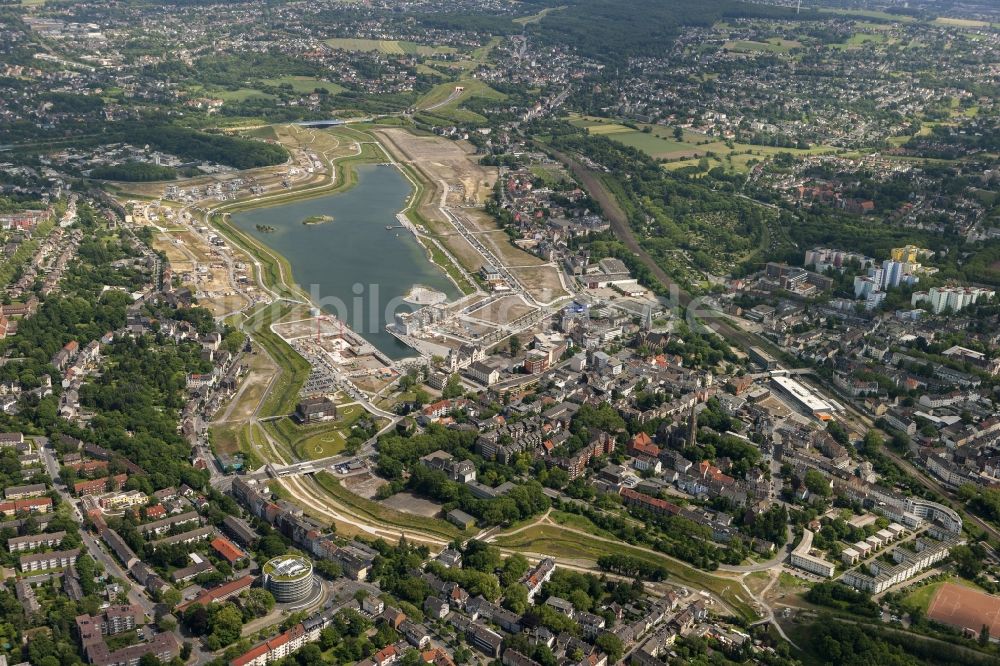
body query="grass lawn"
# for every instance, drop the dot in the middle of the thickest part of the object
(610, 128)
(224, 440)
(535, 18)
(960, 23)
(265, 132)
(305, 84)
(389, 46)
(660, 143)
(316, 441)
(452, 110)
(239, 95)
(579, 522)
(864, 13)
(556, 542)
(859, 39)
(384, 514)
(774, 45)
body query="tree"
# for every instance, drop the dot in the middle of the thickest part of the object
(515, 345)
(984, 635)
(226, 624)
(515, 598)
(272, 545)
(581, 600)
(514, 568)
(171, 597)
(817, 483)
(838, 433)
(150, 659)
(968, 560)
(873, 442)
(196, 619)
(309, 655)
(610, 645)
(453, 388)
(258, 601)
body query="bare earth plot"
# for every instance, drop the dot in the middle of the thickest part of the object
(364, 485)
(262, 369)
(439, 159)
(410, 503)
(965, 608)
(198, 265)
(467, 255)
(503, 310)
(542, 282)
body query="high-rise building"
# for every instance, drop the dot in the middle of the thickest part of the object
(955, 298)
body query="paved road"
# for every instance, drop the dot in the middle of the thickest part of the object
(111, 565)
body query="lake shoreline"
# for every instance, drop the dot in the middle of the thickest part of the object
(357, 251)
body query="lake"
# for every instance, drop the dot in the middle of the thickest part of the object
(352, 266)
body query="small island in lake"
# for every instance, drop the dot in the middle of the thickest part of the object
(317, 219)
(265, 228)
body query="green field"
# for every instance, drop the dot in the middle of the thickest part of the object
(265, 132)
(388, 46)
(864, 13)
(859, 39)
(960, 23)
(319, 440)
(579, 522)
(443, 91)
(237, 439)
(442, 102)
(305, 84)
(774, 45)
(659, 143)
(535, 18)
(239, 95)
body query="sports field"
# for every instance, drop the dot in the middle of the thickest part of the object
(964, 608)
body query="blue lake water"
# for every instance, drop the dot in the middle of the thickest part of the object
(353, 260)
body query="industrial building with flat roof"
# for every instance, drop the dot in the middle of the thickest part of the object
(802, 397)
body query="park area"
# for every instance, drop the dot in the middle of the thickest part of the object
(689, 148)
(317, 441)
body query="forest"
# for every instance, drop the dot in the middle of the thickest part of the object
(136, 172)
(612, 31)
(193, 145)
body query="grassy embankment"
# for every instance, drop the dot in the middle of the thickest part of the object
(421, 196)
(316, 441)
(555, 541)
(447, 103)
